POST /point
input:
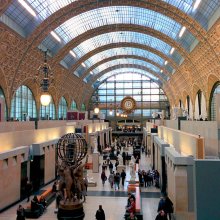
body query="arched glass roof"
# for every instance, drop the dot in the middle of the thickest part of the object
(116, 52)
(126, 61)
(45, 8)
(126, 36)
(121, 15)
(126, 70)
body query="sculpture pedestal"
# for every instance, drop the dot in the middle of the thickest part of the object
(70, 211)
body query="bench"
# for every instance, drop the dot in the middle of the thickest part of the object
(88, 166)
(48, 195)
(132, 186)
(138, 212)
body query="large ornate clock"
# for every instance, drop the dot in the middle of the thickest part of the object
(128, 104)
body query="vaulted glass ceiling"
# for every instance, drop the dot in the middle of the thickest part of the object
(45, 8)
(16, 15)
(128, 61)
(128, 71)
(125, 36)
(117, 52)
(121, 15)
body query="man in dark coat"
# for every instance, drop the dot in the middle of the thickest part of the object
(100, 214)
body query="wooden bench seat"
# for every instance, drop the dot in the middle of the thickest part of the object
(48, 195)
(132, 187)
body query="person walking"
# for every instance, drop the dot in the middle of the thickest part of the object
(110, 166)
(123, 176)
(111, 179)
(100, 214)
(103, 177)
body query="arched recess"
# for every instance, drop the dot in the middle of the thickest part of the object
(62, 108)
(5, 92)
(144, 90)
(180, 104)
(73, 105)
(48, 112)
(3, 103)
(83, 107)
(23, 105)
(189, 108)
(200, 106)
(87, 72)
(212, 101)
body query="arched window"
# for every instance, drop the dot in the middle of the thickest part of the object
(48, 112)
(62, 109)
(180, 103)
(23, 104)
(2, 95)
(188, 104)
(215, 91)
(83, 108)
(73, 105)
(199, 101)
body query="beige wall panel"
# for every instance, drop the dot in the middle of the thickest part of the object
(10, 181)
(11, 140)
(49, 173)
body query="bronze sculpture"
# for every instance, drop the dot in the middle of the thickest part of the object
(71, 149)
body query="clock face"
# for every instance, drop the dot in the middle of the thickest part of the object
(128, 104)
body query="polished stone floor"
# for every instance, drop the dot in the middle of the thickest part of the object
(113, 202)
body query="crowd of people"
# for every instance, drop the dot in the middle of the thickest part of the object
(116, 178)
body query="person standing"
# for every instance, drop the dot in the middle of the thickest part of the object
(103, 177)
(28, 189)
(168, 207)
(100, 214)
(110, 166)
(123, 176)
(20, 213)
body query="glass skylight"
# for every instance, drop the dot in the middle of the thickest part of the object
(45, 8)
(125, 50)
(125, 36)
(122, 15)
(126, 61)
(129, 71)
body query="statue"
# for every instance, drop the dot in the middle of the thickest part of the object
(72, 149)
(132, 171)
(120, 159)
